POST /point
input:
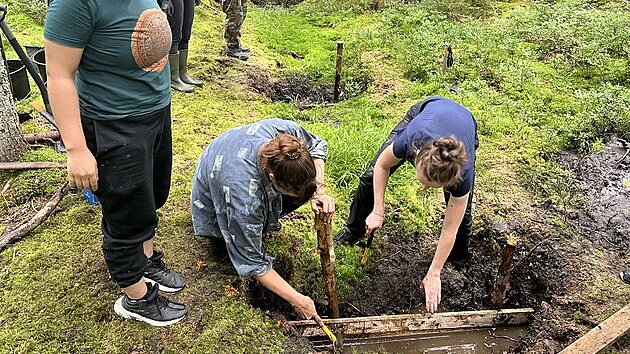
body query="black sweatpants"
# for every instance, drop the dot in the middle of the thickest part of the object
(134, 158)
(363, 201)
(181, 24)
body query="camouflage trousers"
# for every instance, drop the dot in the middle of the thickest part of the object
(235, 14)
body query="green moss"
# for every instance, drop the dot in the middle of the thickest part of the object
(514, 63)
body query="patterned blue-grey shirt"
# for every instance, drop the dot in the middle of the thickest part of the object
(231, 198)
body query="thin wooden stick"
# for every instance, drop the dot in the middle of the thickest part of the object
(338, 70)
(5, 166)
(327, 257)
(36, 137)
(10, 236)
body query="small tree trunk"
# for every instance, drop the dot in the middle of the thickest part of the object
(12, 145)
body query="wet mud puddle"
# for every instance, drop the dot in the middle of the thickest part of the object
(478, 341)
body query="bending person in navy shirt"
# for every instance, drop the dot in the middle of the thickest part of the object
(439, 137)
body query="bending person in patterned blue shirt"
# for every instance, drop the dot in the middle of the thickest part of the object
(249, 177)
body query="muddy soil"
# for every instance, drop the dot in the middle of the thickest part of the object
(543, 262)
(302, 90)
(604, 179)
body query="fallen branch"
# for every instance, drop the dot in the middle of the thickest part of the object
(37, 137)
(10, 236)
(7, 166)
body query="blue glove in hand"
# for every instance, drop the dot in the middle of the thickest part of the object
(167, 7)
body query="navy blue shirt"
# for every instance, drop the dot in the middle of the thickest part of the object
(434, 118)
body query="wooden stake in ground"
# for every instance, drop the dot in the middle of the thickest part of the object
(602, 336)
(10, 236)
(327, 256)
(10, 166)
(338, 70)
(503, 277)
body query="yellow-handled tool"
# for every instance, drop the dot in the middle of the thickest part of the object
(326, 330)
(367, 249)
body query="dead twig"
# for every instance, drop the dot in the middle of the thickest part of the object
(533, 248)
(11, 236)
(7, 166)
(355, 308)
(616, 164)
(493, 335)
(6, 186)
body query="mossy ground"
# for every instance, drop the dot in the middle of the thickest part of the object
(539, 77)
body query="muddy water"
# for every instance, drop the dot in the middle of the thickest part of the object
(478, 341)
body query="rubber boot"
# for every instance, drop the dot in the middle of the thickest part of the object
(234, 51)
(176, 81)
(183, 69)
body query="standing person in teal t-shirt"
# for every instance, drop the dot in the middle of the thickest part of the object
(110, 94)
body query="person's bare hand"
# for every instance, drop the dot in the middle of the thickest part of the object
(432, 291)
(373, 223)
(305, 307)
(82, 170)
(327, 205)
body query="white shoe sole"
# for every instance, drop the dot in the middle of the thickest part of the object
(163, 288)
(119, 309)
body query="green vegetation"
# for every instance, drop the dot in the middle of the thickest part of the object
(538, 76)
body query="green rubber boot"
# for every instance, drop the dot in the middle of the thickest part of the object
(183, 69)
(176, 81)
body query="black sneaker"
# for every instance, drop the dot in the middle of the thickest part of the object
(625, 276)
(152, 309)
(346, 237)
(158, 272)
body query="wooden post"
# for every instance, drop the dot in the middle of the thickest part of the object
(338, 69)
(602, 336)
(503, 276)
(327, 256)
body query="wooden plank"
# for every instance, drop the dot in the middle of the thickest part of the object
(602, 336)
(391, 325)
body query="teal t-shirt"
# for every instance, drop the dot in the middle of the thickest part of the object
(124, 67)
